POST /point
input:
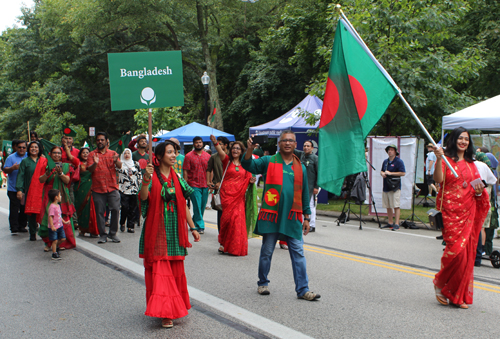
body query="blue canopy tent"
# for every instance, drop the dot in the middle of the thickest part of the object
(291, 119)
(188, 132)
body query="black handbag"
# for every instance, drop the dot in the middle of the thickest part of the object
(392, 183)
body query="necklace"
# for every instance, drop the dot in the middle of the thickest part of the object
(464, 185)
(236, 167)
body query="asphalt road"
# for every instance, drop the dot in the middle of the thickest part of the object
(374, 283)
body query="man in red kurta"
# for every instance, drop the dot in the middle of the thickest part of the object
(102, 163)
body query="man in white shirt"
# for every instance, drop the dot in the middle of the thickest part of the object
(430, 163)
(488, 177)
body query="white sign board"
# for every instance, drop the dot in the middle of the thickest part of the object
(92, 131)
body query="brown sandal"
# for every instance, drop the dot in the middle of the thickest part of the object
(167, 323)
(440, 297)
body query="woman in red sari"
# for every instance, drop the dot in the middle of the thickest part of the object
(233, 236)
(51, 174)
(464, 208)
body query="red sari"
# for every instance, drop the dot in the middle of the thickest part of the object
(233, 230)
(463, 216)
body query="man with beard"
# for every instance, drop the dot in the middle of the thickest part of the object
(195, 173)
(142, 145)
(102, 163)
(17, 218)
(285, 203)
(215, 166)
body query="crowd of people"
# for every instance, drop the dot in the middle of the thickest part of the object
(99, 192)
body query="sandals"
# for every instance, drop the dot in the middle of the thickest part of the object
(46, 248)
(122, 228)
(221, 250)
(130, 230)
(167, 323)
(440, 297)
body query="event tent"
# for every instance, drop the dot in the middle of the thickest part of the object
(484, 116)
(188, 132)
(291, 119)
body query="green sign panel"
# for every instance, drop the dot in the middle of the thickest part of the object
(145, 80)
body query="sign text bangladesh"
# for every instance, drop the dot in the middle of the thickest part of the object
(145, 80)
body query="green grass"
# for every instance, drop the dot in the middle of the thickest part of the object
(336, 205)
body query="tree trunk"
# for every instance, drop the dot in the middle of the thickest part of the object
(211, 61)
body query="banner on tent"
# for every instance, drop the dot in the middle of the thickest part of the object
(407, 147)
(491, 141)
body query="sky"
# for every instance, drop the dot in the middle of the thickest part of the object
(9, 10)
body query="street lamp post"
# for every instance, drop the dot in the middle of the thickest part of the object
(205, 80)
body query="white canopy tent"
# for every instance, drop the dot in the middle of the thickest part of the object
(484, 116)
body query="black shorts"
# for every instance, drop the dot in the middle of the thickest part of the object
(430, 179)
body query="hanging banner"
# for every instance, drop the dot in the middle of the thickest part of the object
(145, 80)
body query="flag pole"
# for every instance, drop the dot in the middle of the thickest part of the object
(150, 136)
(400, 95)
(29, 134)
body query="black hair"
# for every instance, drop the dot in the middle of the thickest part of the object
(309, 141)
(159, 154)
(195, 139)
(54, 147)
(451, 145)
(33, 133)
(81, 151)
(19, 142)
(223, 140)
(15, 142)
(40, 152)
(102, 133)
(484, 149)
(140, 137)
(53, 194)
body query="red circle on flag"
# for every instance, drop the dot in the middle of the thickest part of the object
(272, 197)
(120, 142)
(67, 130)
(359, 94)
(330, 104)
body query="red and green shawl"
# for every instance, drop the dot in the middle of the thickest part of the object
(274, 185)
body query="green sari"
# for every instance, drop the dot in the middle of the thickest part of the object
(84, 204)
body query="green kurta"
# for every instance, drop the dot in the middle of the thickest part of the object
(285, 226)
(25, 174)
(171, 228)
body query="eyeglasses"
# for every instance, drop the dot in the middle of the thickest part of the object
(55, 153)
(287, 140)
(21, 147)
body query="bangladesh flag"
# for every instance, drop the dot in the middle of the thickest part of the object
(358, 92)
(213, 113)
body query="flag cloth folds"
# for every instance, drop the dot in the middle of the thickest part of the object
(358, 92)
(213, 113)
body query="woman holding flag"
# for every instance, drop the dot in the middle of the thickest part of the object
(464, 203)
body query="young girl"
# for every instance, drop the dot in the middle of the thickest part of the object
(56, 230)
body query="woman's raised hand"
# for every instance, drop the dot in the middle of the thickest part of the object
(439, 152)
(213, 139)
(149, 171)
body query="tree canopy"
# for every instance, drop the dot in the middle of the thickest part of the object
(262, 58)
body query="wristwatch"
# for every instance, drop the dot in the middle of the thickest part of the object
(307, 219)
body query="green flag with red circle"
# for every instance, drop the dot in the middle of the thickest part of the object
(358, 92)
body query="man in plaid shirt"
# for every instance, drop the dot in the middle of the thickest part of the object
(195, 173)
(102, 163)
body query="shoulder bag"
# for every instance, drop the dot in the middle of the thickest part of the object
(391, 181)
(217, 204)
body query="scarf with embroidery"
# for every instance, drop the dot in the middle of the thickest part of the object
(274, 185)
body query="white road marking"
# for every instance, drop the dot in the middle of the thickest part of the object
(221, 305)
